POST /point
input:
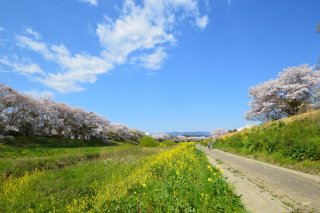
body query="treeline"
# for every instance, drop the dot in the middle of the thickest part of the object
(27, 116)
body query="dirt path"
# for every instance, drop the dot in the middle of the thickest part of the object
(268, 188)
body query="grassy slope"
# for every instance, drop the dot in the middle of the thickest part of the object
(47, 175)
(23, 154)
(291, 142)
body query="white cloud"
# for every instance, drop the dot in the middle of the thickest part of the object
(91, 2)
(202, 22)
(74, 69)
(40, 94)
(145, 27)
(152, 61)
(138, 29)
(23, 66)
(35, 34)
(2, 29)
(36, 46)
(141, 34)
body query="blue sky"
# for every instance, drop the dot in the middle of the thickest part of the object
(156, 65)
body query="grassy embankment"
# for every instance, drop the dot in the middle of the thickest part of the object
(58, 175)
(292, 142)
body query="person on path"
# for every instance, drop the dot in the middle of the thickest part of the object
(209, 144)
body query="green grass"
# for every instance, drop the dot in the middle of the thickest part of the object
(167, 143)
(148, 141)
(119, 178)
(23, 154)
(292, 142)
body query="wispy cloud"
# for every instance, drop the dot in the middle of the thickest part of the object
(74, 69)
(32, 32)
(202, 22)
(23, 66)
(151, 61)
(91, 2)
(37, 46)
(141, 34)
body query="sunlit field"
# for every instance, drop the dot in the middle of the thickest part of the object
(69, 176)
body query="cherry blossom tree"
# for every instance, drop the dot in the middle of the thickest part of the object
(29, 116)
(136, 134)
(118, 132)
(218, 133)
(296, 89)
(6, 100)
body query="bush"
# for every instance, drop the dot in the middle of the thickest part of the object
(167, 143)
(148, 141)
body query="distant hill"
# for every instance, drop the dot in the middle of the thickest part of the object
(190, 134)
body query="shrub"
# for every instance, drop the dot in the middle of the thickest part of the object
(148, 141)
(167, 143)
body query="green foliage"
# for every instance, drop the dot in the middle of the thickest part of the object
(296, 138)
(148, 141)
(167, 143)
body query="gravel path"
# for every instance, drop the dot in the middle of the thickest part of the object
(268, 188)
